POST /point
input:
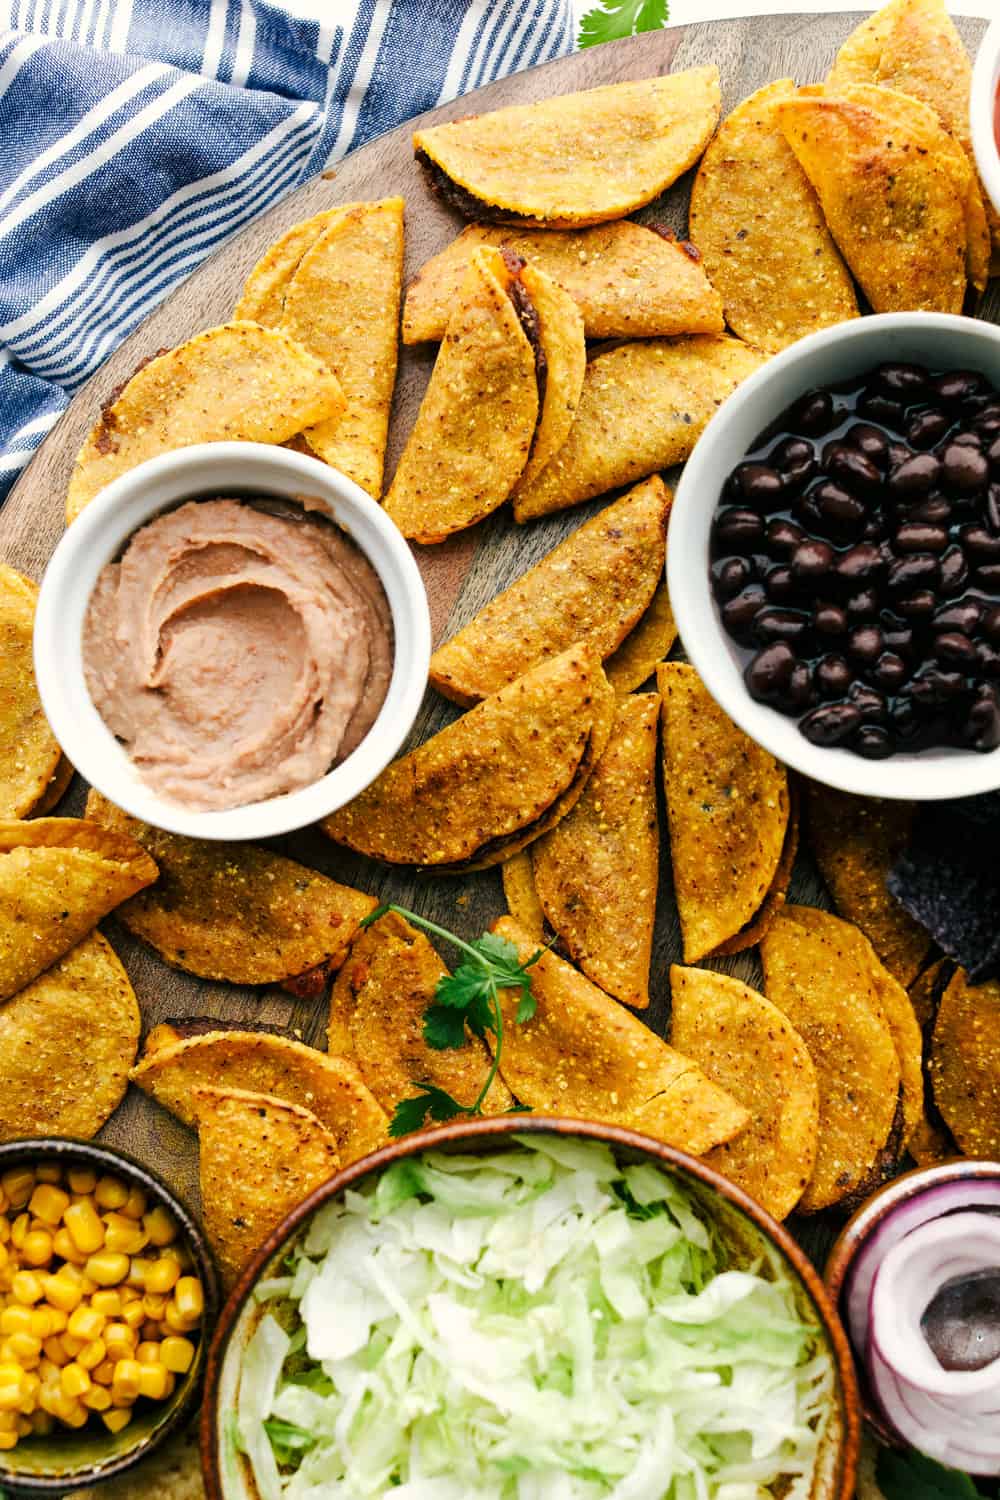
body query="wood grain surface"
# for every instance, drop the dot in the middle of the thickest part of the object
(461, 574)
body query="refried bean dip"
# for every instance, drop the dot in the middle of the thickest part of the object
(238, 652)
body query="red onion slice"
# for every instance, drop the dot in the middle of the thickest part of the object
(933, 1428)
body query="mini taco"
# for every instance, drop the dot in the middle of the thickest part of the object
(67, 1041)
(593, 587)
(584, 1055)
(646, 645)
(596, 872)
(235, 912)
(30, 758)
(748, 1047)
(494, 780)
(174, 1067)
(761, 232)
(643, 408)
(965, 1064)
(238, 381)
(576, 159)
(628, 281)
(58, 878)
(560, 373)
(377, 1009)
(259, 1157)
(263, 297)
(521, 896)
(729, 810)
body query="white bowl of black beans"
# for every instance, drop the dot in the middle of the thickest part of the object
(834, 557)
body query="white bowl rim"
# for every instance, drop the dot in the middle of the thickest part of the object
(982, 107)
(203, 471)
(927, 776)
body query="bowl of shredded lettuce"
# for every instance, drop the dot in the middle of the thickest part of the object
(526, 1309)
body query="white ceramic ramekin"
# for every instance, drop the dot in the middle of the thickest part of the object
(98, 535)
(834, 354)
(982, 111)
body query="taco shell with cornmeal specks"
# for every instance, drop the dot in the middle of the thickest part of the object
(521, 896)
(563, 352)
(965, 1064)
(646, 645)
(30, 757)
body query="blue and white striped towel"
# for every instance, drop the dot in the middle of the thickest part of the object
(137, 135)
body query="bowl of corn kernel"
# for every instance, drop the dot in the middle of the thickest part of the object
(107, 1290)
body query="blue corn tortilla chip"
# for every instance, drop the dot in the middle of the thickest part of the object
(948, 879)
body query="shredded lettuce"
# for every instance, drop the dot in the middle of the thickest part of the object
(542, 1324)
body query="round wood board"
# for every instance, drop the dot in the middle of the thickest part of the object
(463, 573)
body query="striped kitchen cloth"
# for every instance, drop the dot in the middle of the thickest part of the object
(137, 135)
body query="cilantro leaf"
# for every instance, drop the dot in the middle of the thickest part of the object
(467, 984)
(499, 950)
(526, 1007)
(412, 1114)
(911, 1476)
(614, 19)
(443, 1027)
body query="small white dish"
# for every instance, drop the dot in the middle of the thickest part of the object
(97, 537)
(982, 111)
(938, 340)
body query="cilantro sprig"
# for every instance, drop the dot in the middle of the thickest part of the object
(614, 19)
(470, 997)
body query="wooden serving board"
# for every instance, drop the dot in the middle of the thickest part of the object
(463, 573)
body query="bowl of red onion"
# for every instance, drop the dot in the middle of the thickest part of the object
(915, 1275)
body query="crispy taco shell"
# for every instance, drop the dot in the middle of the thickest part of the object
(30, 757)
(646, 645)
(521, 896)
(965, 1064)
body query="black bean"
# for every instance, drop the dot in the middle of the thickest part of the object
(768, 672)
(918, 570)
(863, 605)
(964, 470)
(955, 387)
(927, 429)
(931, 687)
(889, 672)
(918, 536)
(729, 576)
(955, 649)
(918, 606)
(837, 505)
(873, 742)
(967, 439)
(737, 529)
(849, 467)
(981, 730)
(987, 659)
(990, 623)
(865, 643)
(875, 526)
(993, 508)
(963, 615)
(830, 724)
(761, 486)
(833, 676)
(981, 546)
(860, 564)
(761, 564)
(796, 460)
(903, 717)
(934, 510)
(988, 577)
(800, 692)
(739, 614)
(915, 476)
(783, 536)
(779, 625)
(870, 703)
(954, 571)
(869, 440)
(812, 414)
(829, 619)
(811, 560)
(880, 409)
(780, 585)
(898, 636)
(993, 454)
(898, 454)
(902, 381)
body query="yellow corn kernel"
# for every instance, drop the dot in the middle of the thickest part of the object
(72, 1344)
(60, 1292)
(154, 1306)
(134, 1206)
(174, 1323)
(98, 1398)
(106, 1268)
(115, 1421)
(4, 1256)
(92, 1354)
(26, 1287)
(75, 1380)
(8, 1421)
(15, 1319)
(48, 1372)
(48, 1203)
(180, 1254)
(57, 1320)
(41, 1423)
(48, 1171)
(120, 1339)
(19, 1230)
(129, 1293)
(55, 1351)
(153, 1382)
(108, 1302)
(86, 1323)
(151, 1330)
(163, 1275)
(64, 1246)
(133, 1315)
(24, 1347)
(41, 1322)
(73, 1413)
(110, 1192)
(23, 1427)
(160, 1225)
(123, 1236)
(72, 1275)
(18, 1185)
(125, 1381)
(148, 1352)
(85, 1226)
(4, 1223)
(37, 1248)
(87, 1286)
(105, 1372)
(189, 1297)
(11, 1387)
(81, 1179)
(176, 1355)
(31, 1383)
(138, 1271)
(8, 1440)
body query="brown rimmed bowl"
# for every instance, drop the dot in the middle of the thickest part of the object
(862, 1224)
(743, 1222)
(71, 1459)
